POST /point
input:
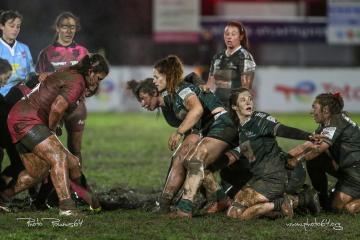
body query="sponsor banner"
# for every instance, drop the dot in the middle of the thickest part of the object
(294, 89)
(343, 22)
(275, 31)
(176, 20)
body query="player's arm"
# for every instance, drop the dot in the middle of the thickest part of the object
(310, 151)
(57, 110)
(290, 132)
(210, 84)
(195, 111)
(247, 79)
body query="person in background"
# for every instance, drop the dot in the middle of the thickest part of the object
(16, 53)
(64, 52)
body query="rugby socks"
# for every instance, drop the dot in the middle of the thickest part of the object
(220, 194)
(185, 205)
(85, 194)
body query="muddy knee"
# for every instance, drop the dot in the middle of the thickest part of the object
(236, 209)
(195, 167)
(352, 207)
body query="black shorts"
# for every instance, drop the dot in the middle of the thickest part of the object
(32, 138)
(349, 180)
(223, 129)
(272, 186)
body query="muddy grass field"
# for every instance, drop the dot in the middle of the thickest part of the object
(126, 160)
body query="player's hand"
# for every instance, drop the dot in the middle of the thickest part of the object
(205, 88)
(292, 163)
(317, 138)
(174, 140)
(43, 76)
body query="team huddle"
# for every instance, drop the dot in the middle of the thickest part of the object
(217, 130)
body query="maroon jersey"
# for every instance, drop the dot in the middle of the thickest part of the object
(34, 109)
(57, 56)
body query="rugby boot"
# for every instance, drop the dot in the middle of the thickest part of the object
(309, 199)
(87, 195)
(287, 208)
(216, 207)
(67, 208)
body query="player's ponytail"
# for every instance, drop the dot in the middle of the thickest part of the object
(172, 67)
(98, 63)
(94, 62)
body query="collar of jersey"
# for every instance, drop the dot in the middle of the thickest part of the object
(56, 44)
(233, 51)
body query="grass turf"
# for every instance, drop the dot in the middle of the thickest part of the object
(130, 149)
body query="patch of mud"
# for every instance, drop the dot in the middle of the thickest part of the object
(127, 198)
(115, 198)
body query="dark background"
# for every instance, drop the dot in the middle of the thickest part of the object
(122, 29)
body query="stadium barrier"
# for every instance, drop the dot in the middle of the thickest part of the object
(278, 89)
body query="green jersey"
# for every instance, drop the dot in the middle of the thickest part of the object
(258, 144)
(208, 101)
(343, 136)
(228, 69)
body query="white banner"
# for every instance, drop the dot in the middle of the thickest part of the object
(294, 89)
(176, 20)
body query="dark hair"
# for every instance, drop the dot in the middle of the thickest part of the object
(61, 17)
(145, 86)
(333, 100)
(95, 62)
(244, 42)
(8, 15)
(4, 66)
(232, 102)
(172, 67)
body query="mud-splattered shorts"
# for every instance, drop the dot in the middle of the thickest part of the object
(36, 135)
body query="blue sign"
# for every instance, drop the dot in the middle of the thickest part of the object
(275, 31)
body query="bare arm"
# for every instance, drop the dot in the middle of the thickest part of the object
(309, 152)
(195, 111)
(210, 84)
(57, 111)
(247, 79)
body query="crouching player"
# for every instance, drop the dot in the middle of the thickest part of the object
(265, 192)
(342, 143)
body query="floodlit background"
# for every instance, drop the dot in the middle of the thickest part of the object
(302, 47)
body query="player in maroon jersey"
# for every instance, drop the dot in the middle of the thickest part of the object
(64, 52)
(33, 120)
